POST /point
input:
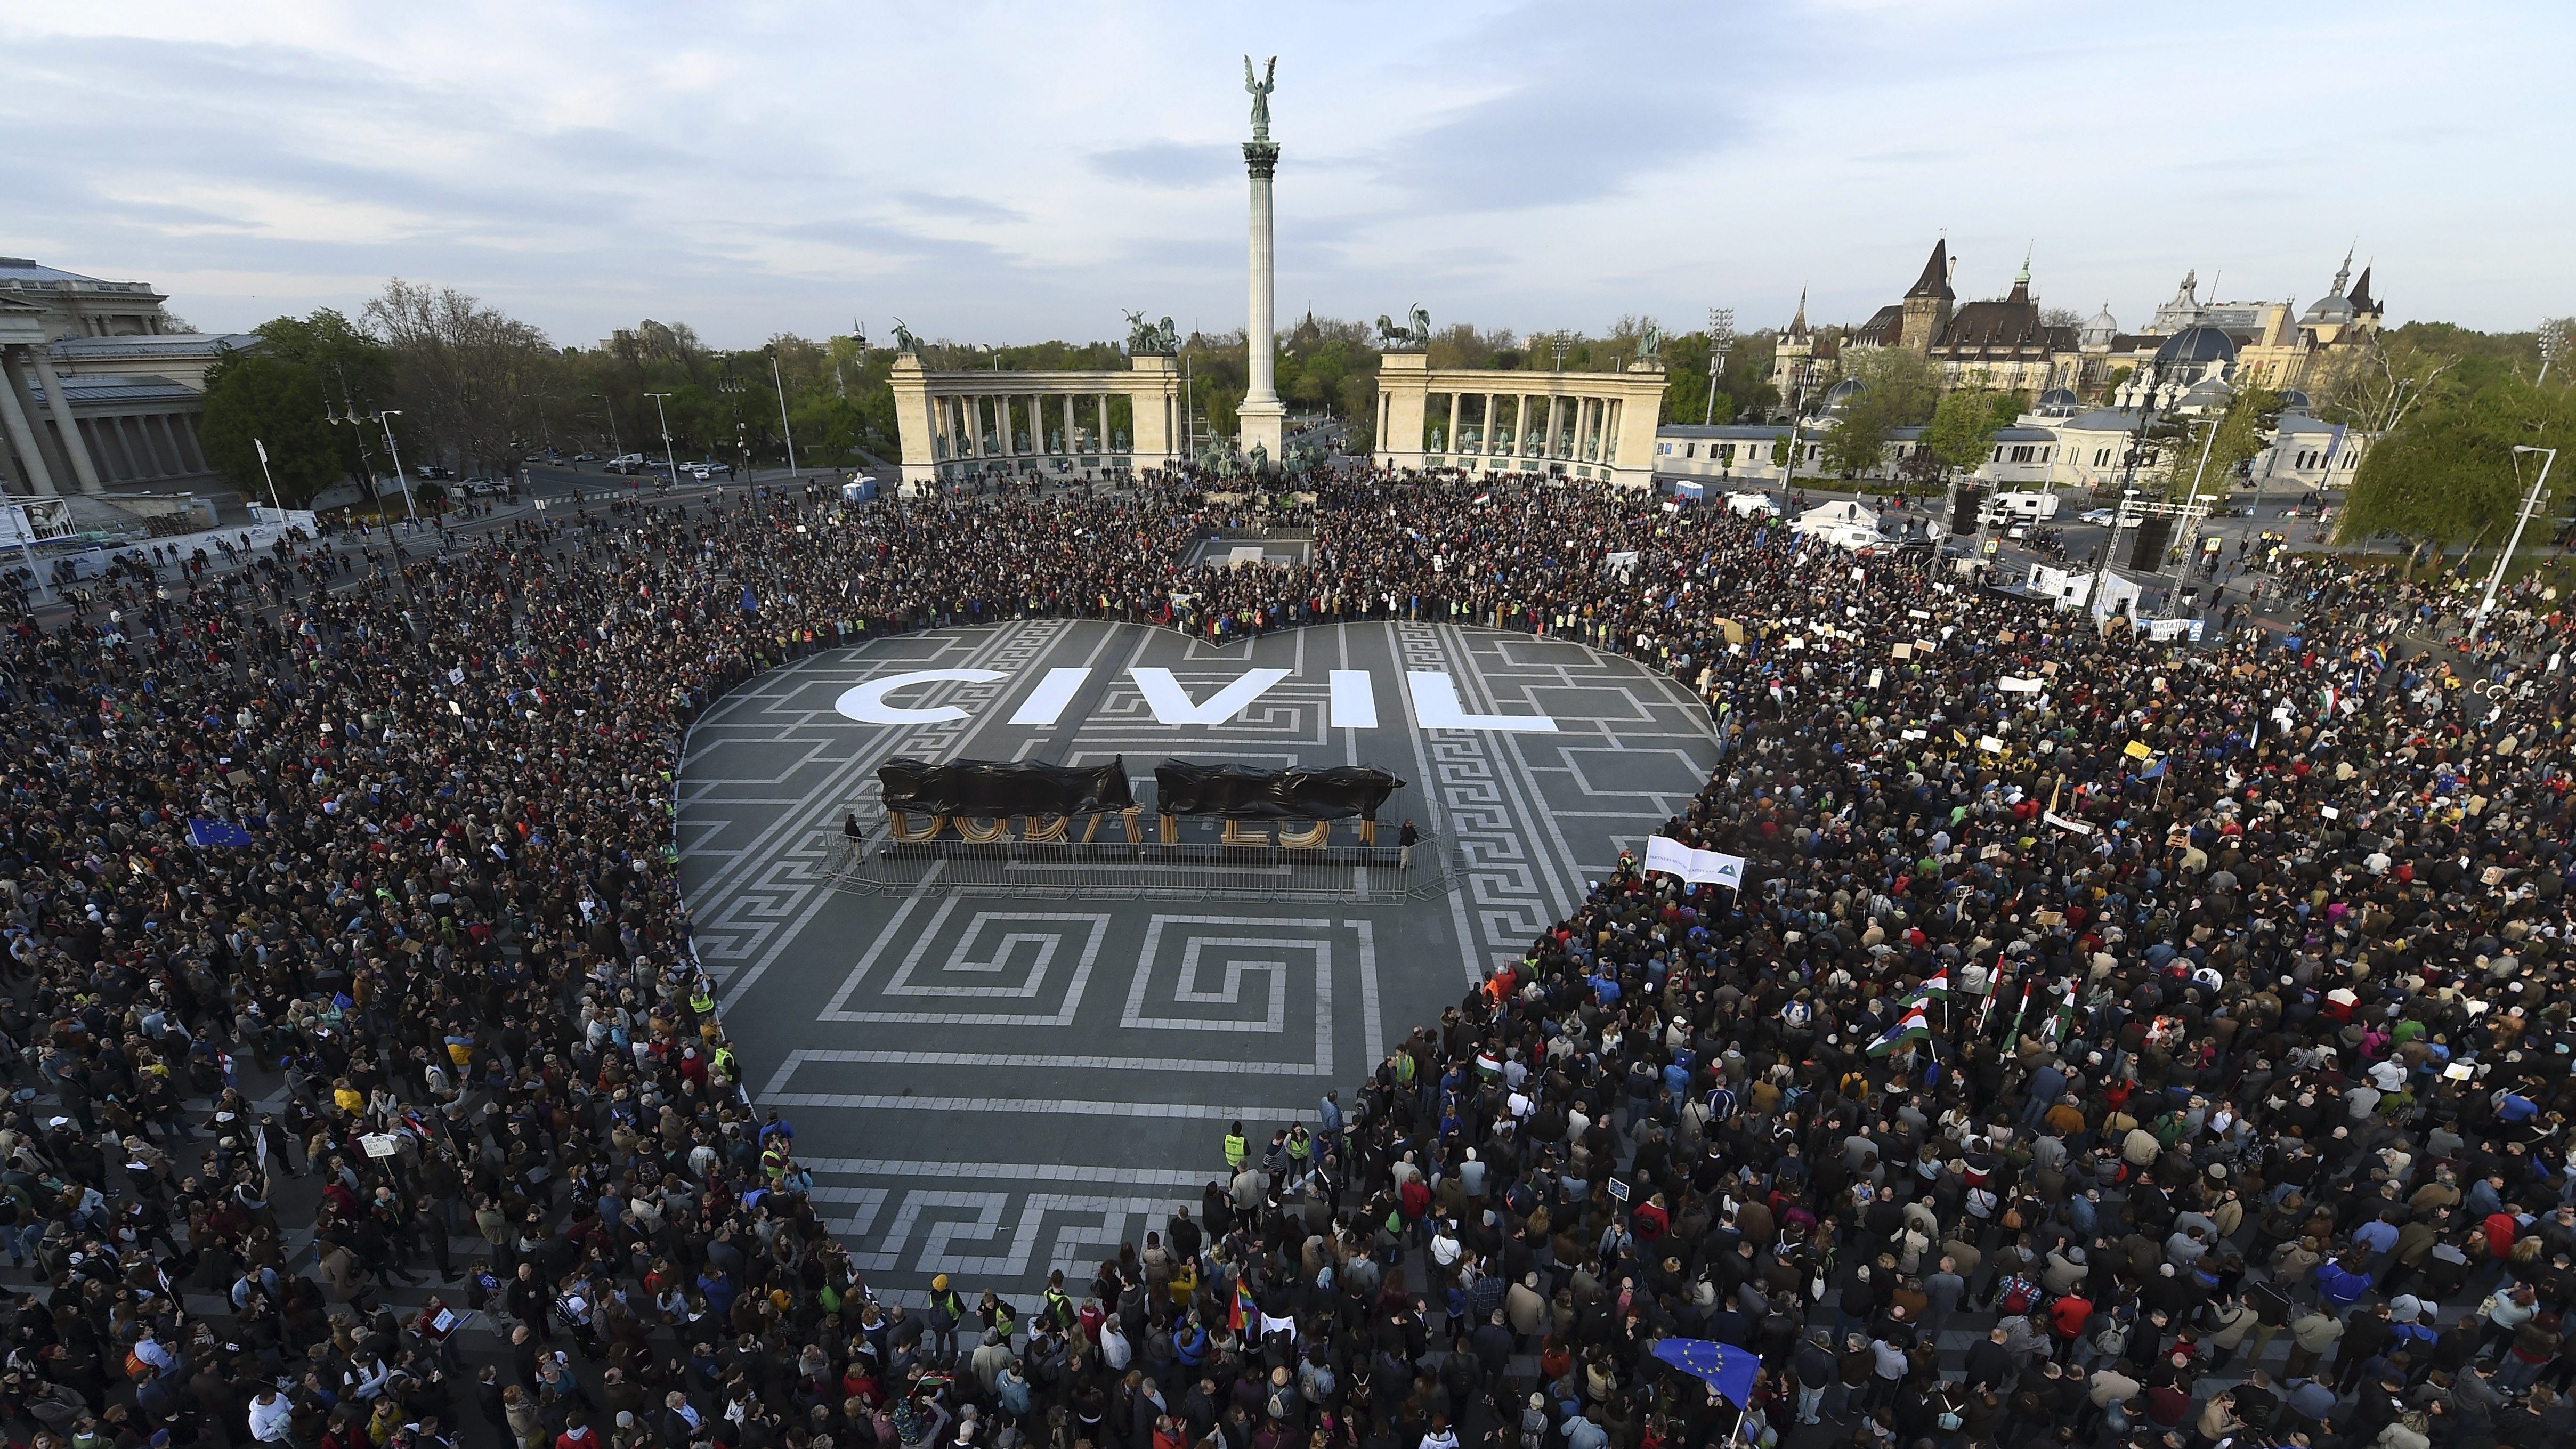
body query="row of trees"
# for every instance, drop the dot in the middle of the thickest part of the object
(464, 385)
(475, 389)
(2447, 407)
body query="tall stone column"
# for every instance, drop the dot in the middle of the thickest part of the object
(1262, 414)
(34, 474)
(58, 401)
(19, 365)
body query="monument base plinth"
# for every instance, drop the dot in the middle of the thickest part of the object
(1263, 423)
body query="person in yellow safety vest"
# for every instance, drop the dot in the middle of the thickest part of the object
(701, 1003)
(1236, 1149)
(1057, 1310)
(773, 1162)
(947, 1310)
(1301, 1148)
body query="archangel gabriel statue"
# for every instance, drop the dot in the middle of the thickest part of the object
(1260, 90)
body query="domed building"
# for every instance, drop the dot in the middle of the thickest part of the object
(1842, 395)
(2180, 364)
(2098, 333)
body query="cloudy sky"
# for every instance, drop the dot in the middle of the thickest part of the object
(1012, 172)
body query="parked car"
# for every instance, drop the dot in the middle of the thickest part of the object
(707, 470)
(585, 457)
(431, 472)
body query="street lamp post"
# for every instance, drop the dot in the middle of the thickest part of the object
(1721, 338)
(617, 449)
(2553, 340)
(1797, 402)
(354, 418)
(384, 420)
(668, 457)
(2530, 505)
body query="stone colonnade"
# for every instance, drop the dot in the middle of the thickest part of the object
(964, 424)
(1583, 425)
(49, 448)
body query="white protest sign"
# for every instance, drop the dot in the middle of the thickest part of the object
(1699, 867)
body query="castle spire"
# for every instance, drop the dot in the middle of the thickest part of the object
(1935, 281)
(1798, 324)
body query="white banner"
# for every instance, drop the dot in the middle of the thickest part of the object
(2018, 684)
(1699, 867)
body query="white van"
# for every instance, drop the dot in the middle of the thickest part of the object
(2021, 506)
(1750, 505)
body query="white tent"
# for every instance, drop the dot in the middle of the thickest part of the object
(1836, 515)
(1844, 525)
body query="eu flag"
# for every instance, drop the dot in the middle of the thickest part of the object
(1727, 1369)
(203, 833)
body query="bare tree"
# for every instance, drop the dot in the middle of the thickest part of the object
(467, 376)
(2375, 391)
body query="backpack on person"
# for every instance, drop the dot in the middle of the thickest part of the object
(2018, 1294)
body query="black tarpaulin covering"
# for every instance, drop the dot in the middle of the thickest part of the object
(1003, 787)
(1239, 793)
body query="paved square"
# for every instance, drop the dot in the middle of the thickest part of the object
(991, 1085)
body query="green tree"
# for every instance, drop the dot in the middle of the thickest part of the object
(356, 372)
(2244, 430)
(1897, 391)
(2447, 473)
(253, 400)
(1964, 423)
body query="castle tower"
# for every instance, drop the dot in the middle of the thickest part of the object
(1927, 303)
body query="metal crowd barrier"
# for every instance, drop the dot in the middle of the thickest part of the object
(876, 863)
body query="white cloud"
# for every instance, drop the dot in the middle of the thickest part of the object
(1000, 171)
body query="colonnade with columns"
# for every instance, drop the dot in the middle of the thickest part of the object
(48, 451)
(963, 424)
(1585, 425)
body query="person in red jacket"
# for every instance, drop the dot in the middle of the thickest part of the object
(2066, 1319)
(577, 1433)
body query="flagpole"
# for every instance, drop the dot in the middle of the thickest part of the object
(264, 473)
(1994, 988)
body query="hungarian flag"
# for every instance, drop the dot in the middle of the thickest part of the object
(1243, 1309)
(1937, 987)
(2064, 1022)
(1912, 1026)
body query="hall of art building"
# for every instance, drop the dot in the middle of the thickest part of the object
(104, 389)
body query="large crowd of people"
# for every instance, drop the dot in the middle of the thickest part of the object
(2113, 1041)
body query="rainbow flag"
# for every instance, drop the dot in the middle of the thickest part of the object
(1244, 1309)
